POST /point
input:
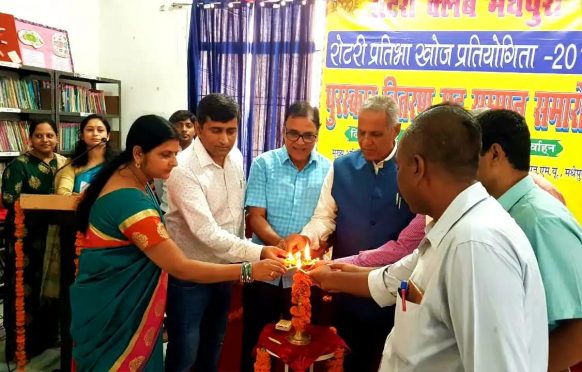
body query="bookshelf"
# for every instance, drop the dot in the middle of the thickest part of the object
(78, 96)
(25, 94)
(28, 93)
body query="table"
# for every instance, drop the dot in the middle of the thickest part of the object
(324, 343)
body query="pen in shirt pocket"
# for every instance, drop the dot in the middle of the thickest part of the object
(403, 289)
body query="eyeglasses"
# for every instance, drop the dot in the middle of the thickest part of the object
(294, 136)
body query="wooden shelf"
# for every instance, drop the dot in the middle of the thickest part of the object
(84, 114)
(84, 77)
(13, 154)
(9, 154)
(19, 67)
(10, 110)
(53, 97)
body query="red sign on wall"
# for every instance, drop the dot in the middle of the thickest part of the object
(9, 47)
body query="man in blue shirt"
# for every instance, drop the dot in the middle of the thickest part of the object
(553, 232)
(282, 192)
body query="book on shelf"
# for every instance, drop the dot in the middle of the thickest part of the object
(14, 140)
(68, 136)
(2, 168)
(22, 93)
(75, 98)
(13, 136)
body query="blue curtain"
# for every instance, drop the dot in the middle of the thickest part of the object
(259, 55)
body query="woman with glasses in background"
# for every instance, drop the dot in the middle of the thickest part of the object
(282, 192)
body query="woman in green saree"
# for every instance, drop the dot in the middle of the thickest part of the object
(119, 296)
(31, 173)
(93, 132)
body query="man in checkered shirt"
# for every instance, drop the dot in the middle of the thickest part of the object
(282, 192)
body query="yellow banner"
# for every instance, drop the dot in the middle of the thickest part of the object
(523, 55)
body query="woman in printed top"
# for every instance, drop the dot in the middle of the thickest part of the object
(119, 296)
(93, 134)
(30, 173)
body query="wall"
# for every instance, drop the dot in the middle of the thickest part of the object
(135, 42)
(81, 18)
(129, 40)
(147, 50)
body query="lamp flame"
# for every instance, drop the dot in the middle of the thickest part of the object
(307, 253)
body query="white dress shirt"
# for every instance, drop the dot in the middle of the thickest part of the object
(162, 189)
(164, 197)
(206, 215)
(322, 224)
(484, 306)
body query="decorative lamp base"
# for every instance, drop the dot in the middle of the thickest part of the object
(299, 338)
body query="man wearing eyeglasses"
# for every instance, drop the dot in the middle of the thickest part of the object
(360, 209)
(282, 192)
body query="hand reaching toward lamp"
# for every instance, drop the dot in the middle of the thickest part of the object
(296, 243)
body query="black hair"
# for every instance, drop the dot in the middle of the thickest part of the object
(148, 132)
(182, 115)
(444, 103)
(449, 136)
(79, 155)
(303, 109)
(217, 107)
(508, 129)
(36, 123)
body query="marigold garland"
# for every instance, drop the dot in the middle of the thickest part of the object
(300, 293)
(336, 364)
(263, 361)
(20, 233)
(301, 312)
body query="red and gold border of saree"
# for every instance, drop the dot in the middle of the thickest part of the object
(143, 342)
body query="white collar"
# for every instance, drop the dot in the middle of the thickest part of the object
(465, 201)
(379, 165)
(203, 156)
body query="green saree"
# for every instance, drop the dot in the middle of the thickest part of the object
(28, 174)
(119, 296)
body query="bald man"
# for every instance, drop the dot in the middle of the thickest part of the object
(470, 298)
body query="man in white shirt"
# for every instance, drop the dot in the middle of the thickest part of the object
(474, 298)
(206, 219)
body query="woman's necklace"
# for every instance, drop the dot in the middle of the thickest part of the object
(137, 178)
(146, 189)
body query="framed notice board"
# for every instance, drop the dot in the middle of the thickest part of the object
(44, 46)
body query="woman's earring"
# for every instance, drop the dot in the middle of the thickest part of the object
(138, 165)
